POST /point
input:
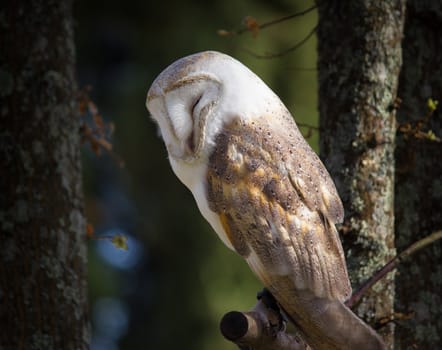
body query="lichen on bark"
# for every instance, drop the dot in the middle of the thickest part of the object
(43, 297)
(359, 49)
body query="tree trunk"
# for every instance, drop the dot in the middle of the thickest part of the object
(418, 191)
(43, 297)
(359, 49)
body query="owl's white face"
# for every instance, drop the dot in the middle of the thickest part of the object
(195, 96)
(191, 101)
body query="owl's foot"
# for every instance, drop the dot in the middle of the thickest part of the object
(277, 322)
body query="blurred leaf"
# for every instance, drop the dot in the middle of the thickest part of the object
(120, 242)
(432, 137)
(223, 32)
(252, 25)
(89, 230)
(432, 104)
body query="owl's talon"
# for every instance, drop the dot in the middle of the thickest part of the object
(267, 298)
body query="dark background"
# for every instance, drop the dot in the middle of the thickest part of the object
(173, 285)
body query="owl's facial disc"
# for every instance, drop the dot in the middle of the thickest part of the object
(181, 112)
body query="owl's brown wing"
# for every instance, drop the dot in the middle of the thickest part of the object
(278, 206)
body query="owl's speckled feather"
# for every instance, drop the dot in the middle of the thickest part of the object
(254, 183)
(266, 194)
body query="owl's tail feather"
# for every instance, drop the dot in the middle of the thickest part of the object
(329, 324)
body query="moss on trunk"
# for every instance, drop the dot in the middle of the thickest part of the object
(43, 296)
(359, 48)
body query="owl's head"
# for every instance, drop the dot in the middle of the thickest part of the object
(192, 98)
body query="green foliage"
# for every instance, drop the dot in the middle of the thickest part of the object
(120, 242)
(432, 104)
(416, 129)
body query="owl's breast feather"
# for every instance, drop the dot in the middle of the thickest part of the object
(195, 179)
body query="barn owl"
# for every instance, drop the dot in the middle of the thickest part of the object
(263, 190)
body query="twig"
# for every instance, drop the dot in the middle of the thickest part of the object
(392, 264)
(285, 52)
(93, 128)
(414, 129)
(306, 125)
(302, 69)
(266, 24)
(286, 18)
(309, 128)
(258, 329)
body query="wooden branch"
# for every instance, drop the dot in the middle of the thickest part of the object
(263, 328)
(391, 265)
(259, 329)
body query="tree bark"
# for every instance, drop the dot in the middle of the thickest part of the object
(359, 49)
(43, 297)
(418, 191)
